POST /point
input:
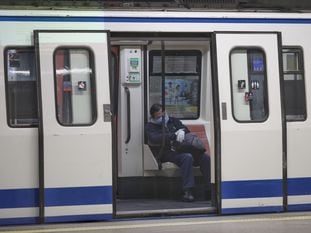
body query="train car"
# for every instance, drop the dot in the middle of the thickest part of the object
(76, 88)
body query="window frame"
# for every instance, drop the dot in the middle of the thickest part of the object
(298, 49)
(249, 72)
(25, 48)
(92, 80)
(173, 52)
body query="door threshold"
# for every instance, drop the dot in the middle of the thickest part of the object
(141, 213)
(147, 207)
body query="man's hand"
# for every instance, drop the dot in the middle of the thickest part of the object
(180, 135)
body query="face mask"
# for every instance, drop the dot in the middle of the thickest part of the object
(159, 120)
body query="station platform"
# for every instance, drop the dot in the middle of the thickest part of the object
(255, 223)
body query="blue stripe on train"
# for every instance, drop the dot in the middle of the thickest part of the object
(15, 221)
(76, 218)
(246, 210)
(78, 196)
(18, 198)
(251, 189)
(70, 218)
(299, 186)
(266, 188)
(23, 198)
(299, 207)
(153, 19)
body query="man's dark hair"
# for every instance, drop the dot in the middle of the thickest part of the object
(155, 108)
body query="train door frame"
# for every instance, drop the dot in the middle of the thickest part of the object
(60, 198)
(220, 115)
(123, 39)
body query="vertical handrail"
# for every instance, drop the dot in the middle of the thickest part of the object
(128, 108)
(163, 103)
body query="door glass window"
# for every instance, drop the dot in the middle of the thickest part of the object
(182, 82)
(75, 86)
(248, 84)
(21, 90)
(294, 86)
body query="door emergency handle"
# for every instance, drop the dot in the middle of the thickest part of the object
(128, 111)
(224, 110)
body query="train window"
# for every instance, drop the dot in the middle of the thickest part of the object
(294, 86)
(182, 82)
(21, 91)
(248, 84)
(74, 86)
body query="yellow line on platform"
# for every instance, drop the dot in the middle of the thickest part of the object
(166, 224)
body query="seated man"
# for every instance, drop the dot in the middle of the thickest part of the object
(175, 131)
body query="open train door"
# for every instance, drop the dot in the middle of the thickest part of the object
(250, 123)
(75, 125)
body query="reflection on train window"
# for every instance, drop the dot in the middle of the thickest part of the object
(248, 84)
(75, 87)
(182, 82)
(294, 86)
(21, 92)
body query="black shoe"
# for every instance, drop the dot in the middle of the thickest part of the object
(187, 197)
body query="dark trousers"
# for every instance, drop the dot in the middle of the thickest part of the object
(186, 161)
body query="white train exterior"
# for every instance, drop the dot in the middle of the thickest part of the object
(252, 99)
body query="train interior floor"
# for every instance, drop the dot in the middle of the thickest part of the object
(132, 207)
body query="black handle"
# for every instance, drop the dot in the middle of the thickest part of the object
(128, 110)
(224, 110)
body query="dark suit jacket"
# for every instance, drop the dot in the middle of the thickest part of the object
(154, 135)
